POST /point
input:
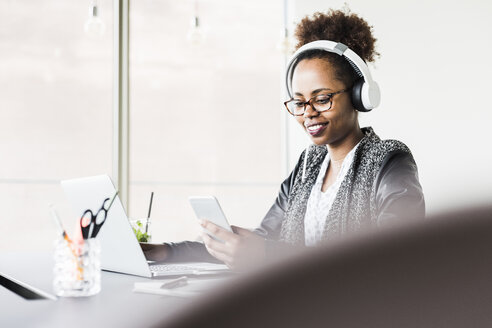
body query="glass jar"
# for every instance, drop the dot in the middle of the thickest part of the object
(141, 229)
(77, 270)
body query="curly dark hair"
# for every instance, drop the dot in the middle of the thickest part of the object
(339, 26)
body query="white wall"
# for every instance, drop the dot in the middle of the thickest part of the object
(435, 76)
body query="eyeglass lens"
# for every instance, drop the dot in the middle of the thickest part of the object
(319, 103)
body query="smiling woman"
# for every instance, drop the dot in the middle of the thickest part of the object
(348, 180)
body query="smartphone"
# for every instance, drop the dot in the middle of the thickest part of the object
(208, 208)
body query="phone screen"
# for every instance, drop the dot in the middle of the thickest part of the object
(208, 208)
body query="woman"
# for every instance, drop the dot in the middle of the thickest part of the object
(349, 179)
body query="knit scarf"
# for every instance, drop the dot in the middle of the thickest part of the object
(354, 206)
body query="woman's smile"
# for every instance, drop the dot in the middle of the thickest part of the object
(315, 128)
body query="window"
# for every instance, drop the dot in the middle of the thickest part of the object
(55, 112)
(204, 119)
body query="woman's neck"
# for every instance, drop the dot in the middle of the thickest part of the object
(339, 150)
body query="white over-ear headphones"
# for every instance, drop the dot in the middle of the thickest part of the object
(365, 92)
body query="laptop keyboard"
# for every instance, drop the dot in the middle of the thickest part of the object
(192, 267)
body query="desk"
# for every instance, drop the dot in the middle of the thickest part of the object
(115, 306)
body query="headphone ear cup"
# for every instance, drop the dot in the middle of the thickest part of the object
(356, 95)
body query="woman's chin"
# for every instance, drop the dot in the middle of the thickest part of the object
(318, 141)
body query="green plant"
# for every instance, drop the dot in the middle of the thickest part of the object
(142, 236)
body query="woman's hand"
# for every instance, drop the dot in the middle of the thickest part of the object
(239, 251)
(155, 252)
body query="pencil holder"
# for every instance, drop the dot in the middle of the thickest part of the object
(77, 270)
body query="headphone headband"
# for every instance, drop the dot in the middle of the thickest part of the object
(369, 91)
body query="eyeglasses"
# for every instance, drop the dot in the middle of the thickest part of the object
(319, 103)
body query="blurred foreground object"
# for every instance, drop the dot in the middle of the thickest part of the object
(427, 273)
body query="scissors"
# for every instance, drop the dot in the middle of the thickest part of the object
(91, 223)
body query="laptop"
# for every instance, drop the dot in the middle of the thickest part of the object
(120, 250)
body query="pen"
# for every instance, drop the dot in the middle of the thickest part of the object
(54, 214)
(182, 281)
(112, 200)
(57, 220)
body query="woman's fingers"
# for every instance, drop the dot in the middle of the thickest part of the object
(215, 245)
(217, 231)
(215, 249)
(240, 250)
(241, 231)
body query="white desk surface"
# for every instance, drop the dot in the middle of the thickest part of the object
(115, 306)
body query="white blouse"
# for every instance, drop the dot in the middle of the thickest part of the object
(319, 202)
